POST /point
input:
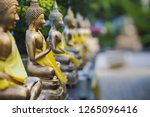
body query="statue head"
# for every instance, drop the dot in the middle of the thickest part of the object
(8, 13)
(55, 17)
(35, 15)
(69, 19)
(79, 21)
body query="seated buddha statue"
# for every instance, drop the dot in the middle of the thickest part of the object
(14, 82)
(80, 38)
(90, 42)
(41, 61)
(69, 63)
(71, 38)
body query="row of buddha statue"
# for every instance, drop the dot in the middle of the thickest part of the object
(52, 63)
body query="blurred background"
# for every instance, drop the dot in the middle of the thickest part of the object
(107, 17)
(122, 66)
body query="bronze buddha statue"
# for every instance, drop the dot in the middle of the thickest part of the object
(41, 61)
(90, 42)
(55, 40)
(80, 26)
(73, 43)
(14, 82)
(70, 24)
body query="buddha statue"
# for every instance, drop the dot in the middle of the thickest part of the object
(70, 24)
(91, 43)
(68, 62)
(80, 24)
(41, 61)
(128, 38)
(14, 82)
(71, 40)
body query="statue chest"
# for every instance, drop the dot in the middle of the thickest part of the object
(39, 42)
(5, 46)
(58, 37)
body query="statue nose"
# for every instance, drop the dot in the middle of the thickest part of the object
(17, 17)
(44, 21)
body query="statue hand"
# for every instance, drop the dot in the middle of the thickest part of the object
(59, 64)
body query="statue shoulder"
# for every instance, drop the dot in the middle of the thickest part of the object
(52, 33)
(4, 38)
(30, 36)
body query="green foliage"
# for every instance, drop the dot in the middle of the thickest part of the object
(47, 5)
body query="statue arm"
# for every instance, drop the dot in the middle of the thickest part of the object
(38, 56)
(5, 76)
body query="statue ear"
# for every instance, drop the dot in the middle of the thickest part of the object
(33, 22)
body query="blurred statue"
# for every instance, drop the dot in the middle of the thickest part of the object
(67, 61)
(69, 32)
(14, 83)
(71, 41)
(41, 60)
(128, 37)
(90, 42)
(80, 26)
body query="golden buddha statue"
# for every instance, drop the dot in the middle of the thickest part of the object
(69, 63)
(90, 45)
(41, 61)
(128, 38)
(76, 36)
(70, 24)
(90, 42)
(71, 40)
(14, 83)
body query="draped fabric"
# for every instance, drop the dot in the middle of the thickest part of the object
(13, 67)
(49, 60)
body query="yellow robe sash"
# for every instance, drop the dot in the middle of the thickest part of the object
(62, 46)
(49, 60)
(13, 66)
(67, 54)
(79, 40)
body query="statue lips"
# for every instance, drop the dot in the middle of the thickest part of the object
(15, 22)
(42, 25)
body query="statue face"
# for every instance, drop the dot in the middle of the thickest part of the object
(73, 23)
(59, 22)
(39, 23)
(11, 17)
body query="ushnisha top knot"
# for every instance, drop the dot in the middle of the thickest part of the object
(33, 12)
(55, 14)
(6, 4)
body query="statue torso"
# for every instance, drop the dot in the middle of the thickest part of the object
(54, 34)
(36, 37)
(38, 41)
